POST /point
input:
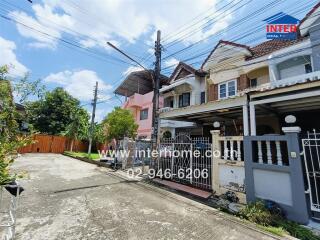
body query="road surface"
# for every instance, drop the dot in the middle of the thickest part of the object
(69, 199)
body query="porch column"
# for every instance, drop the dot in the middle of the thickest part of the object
(175, 101)
(245, 120)
(273, 72)
(253, 126)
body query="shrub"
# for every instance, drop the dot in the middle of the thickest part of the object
(274, 222)
(296, 230)
(257, 213)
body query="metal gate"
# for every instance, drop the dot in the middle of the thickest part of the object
(186, 160)
(311, 152)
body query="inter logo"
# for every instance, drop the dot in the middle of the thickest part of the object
(282, 27)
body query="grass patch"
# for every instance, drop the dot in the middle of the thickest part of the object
(93, 156)
(279, 231)
(271, 220)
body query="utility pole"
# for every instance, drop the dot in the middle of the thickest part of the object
(155, 116)
(155, 76)
(94, 105)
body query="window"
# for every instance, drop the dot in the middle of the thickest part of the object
(203, 97)
(253, 82)
(184, 100)
(227, 89)
(308, 68)
(168, 102)
(144, 114)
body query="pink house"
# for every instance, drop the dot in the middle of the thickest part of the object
(137, 88)
(142, 107)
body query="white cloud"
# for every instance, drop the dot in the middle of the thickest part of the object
(80, 84)
(8, 57)
(45, 21)
(131, 69)
(100, 21)
(171, 62)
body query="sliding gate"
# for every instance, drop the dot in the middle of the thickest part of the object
(186, 160)
(311, 152)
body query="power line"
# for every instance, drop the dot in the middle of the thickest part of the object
(242, 36)
(231, 26)
(187, 26)
(67, 42)
(148, 56)
(85, 13)
(58, 27)
(210, 22)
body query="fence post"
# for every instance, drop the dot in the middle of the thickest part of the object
(295, 163)
(216, 148)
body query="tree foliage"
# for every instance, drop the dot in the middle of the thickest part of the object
(10, 138)
(120, 123)
(79, 126)
(25, 88)
(56, 112)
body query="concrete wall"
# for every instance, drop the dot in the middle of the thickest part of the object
(280, 61)
(228, 172)
(138, 102)
(315, 42)
(271, 175)
(261, 74)
(293, 67)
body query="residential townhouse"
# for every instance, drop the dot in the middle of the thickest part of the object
(250, 91)
(239, 79)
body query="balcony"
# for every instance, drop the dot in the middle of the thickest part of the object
(175, 124)
(313, 76)
(134, 101)
(165, 109)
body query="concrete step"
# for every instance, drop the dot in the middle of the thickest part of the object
(184, 188)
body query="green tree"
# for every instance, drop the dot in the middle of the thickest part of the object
(120, 123)
(78, 128)
(10, 138)
(53, 113)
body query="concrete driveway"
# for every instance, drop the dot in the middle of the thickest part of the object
(69, 199)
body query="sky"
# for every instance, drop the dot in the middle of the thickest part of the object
(64, 42)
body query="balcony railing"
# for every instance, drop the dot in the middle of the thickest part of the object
(313, 76)
(165, 109)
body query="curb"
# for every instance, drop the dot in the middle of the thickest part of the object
(98, 163)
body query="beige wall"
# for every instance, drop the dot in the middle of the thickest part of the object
(261, 74)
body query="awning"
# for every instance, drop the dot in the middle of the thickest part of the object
(139, 82)
(173, 85)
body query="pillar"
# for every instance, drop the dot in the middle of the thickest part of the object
(245, 120)
(253, 126)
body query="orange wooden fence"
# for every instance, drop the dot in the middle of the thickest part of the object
(53, 144)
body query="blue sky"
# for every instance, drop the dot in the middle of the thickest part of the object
(36, 46)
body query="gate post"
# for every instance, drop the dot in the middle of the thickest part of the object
(298, 193)
(215, 160)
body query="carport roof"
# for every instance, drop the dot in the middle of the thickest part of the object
(228, 109)
(139, 82)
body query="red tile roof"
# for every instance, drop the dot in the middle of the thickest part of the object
(268, 47)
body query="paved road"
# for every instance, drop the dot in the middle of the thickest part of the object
(70, 199)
